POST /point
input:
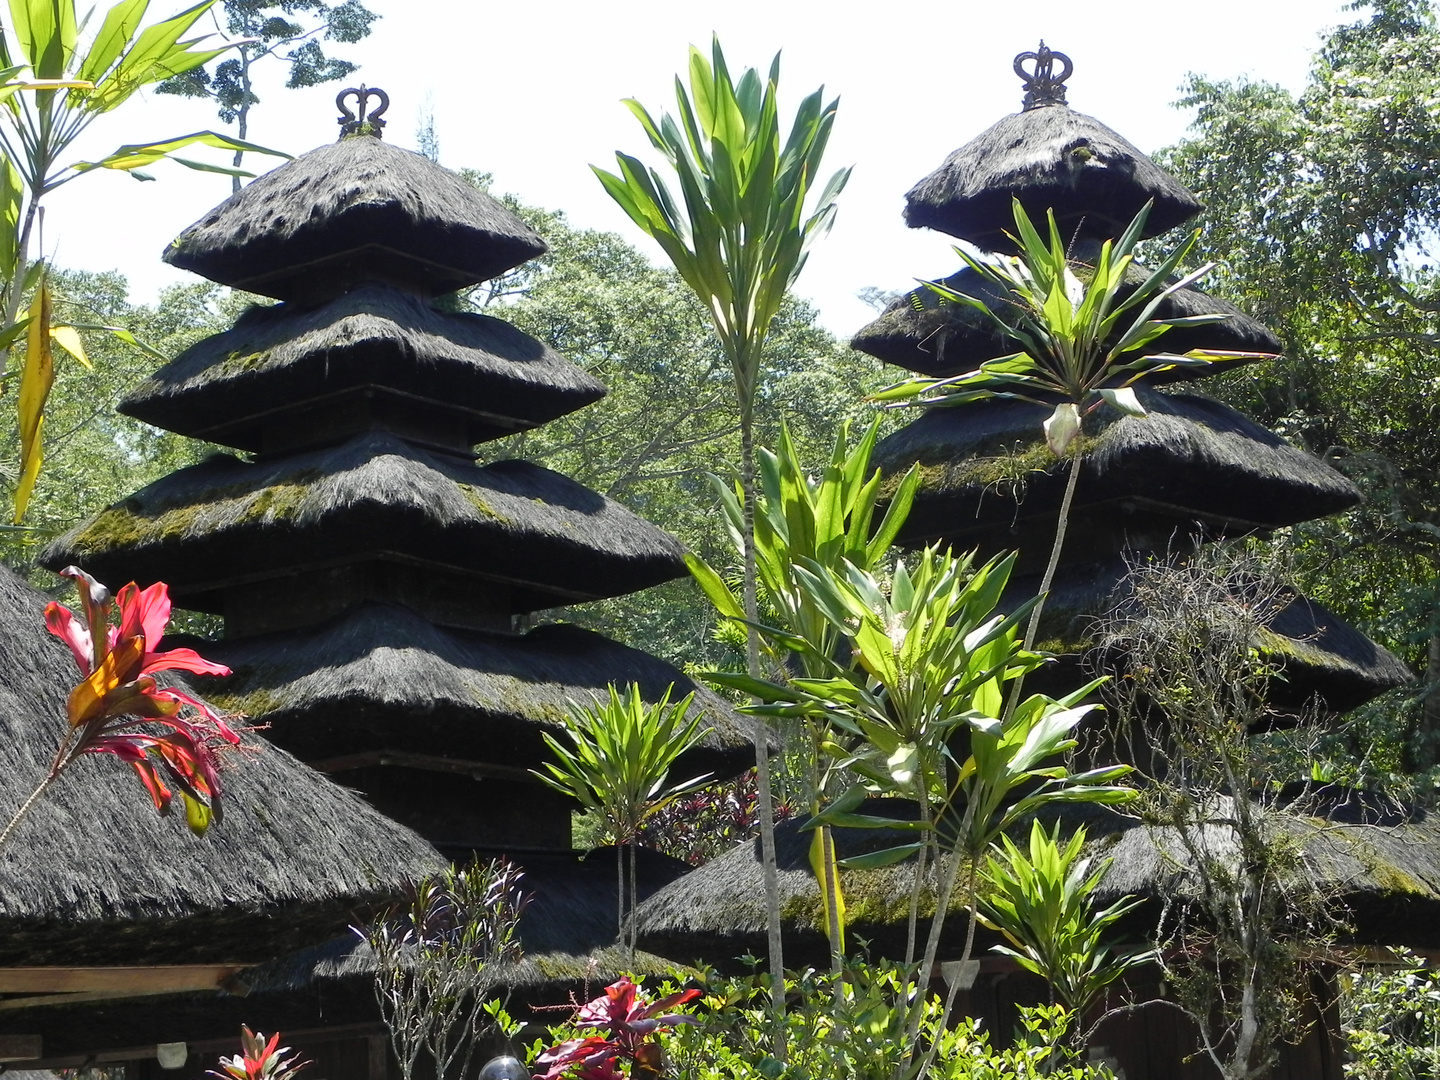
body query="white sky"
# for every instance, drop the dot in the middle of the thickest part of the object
(531, 92)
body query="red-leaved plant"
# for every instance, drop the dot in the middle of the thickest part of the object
(258, 1059)
(631, 1024)
(170, 738)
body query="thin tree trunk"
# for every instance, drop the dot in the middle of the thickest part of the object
(765, 803)
(242, 115)
(17, 284)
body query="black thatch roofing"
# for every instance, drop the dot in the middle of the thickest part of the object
(281, 365)
(383, 678)
(1320, 655)
(988, 475)
(940, 338)
(1388, 874)
(225, 522)
(567, 931)
(716, 912)
(94, 876)
(1050, 158)
(355, 210)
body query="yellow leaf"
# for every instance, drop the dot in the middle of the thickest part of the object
(35, 383)
(68, 338)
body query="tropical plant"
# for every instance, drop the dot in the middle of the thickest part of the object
(618, 764)
(440, 958)
(117, 703)
(39, 122)
(922, 670)
(1081, 344)
(1042, 900)
(259, 1059)
(739, 242)
(268, 29)
(631, 1028)
(828, 521)
(1391, 1020)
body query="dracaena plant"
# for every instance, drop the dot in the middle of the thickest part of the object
(738, 235)
(171, 739)
(1078, 344)
(259, 1059)
(618, 763)
(1042, 899)
(71, 83)
(829, 520)
(922, 670)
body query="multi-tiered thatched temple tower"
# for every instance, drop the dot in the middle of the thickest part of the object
(1193, 472)
(374, 580)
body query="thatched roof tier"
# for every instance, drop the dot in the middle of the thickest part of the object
(989, 479)
(226, 523)
(288, 376)
(355, 210)
(383, 678)
(1320, 656)
(716, 912)
(1048, 158)
(1379, 858)
(940, 338)
(93, 876)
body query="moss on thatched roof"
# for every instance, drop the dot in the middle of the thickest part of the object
(224, 522)
(1320, 655)
(717, 912)
(940, 338)
(355, 210)
(383, 678)
(94, 876)
(1048, 158)
(284, 360)
(987, 472)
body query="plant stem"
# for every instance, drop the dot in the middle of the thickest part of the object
(50, 777)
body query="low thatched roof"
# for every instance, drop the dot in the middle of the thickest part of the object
(280, 366)
(1320, 655)
(355, 210)
(567, 933)
(382, 678)
(94, 876)
(1049, 158)
(988, 476)
(940, 338)
(716, 913)
(226, 523)
(1385, 869)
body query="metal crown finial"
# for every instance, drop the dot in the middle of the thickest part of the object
(1042, 85)
(363, 124)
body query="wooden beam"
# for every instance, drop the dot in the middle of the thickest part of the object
(19, 1047)
(428, 762)
(175, 978)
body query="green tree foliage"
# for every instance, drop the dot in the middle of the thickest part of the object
(291, 31)
(1323, 210)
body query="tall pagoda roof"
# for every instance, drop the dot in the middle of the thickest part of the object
(212, 526)
(287, 369)
(927, 333)
(1048, 157)
(987, 471)
(354, 210)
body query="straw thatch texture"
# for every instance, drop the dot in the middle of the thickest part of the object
(94, 876)
(278, 361)
(1320, 655)
(225, 522)
(717, 912)
(382, 677)
(1048, 158)
(355, 210)
(941, 338)
(567, 932)
(1382, 861)
(988, 475)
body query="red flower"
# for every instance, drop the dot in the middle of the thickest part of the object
(119, 691)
